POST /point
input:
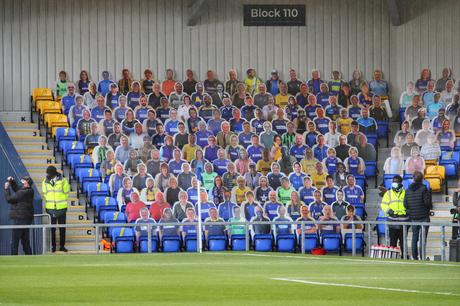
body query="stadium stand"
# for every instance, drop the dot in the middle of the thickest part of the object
(259, 148)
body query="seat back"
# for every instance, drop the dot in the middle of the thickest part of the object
(263, 242)
(348, 242)
(371, 169)
(65, 133)
(42, 93)
(380, 228)
(171, 243)
(285, 243)
(331, 242)
(217, 243)
(238, 242)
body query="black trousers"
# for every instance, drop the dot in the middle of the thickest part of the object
(397, 235)
(58, 217)
(21, 235)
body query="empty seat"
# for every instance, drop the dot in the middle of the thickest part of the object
(238, 242)
(144, 243)
(359, 242)
(331, 242)
(171, 243)
(124, 239)
(263, 242)
(217, 243)
(285, 243)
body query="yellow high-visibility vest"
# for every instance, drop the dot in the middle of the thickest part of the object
(56, 196)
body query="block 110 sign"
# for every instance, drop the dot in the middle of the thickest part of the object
(274, 15)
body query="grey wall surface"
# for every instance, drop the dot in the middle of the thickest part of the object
(41, 37)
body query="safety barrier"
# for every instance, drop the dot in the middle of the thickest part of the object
(368, 228)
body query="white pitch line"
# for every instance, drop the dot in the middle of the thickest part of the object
(350, 259)
(363, 287)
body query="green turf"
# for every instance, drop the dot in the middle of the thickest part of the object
(217, 279)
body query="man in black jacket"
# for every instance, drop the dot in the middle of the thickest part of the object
(21, 212)
(418, 204)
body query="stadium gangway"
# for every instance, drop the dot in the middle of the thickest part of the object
(368, 224)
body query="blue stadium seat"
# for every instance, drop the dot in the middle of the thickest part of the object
(371, 170)
(64, 134)
(331, 242)
(113, 217)
(446, 149)
(71, 147)
(457, 146)
(190, 243)
(217, 243)
(372, 139)
(407, 176)
(383, 130)
(402, 114)
(238, 242)
(387, 180)
(94, 189)
(87, 175)
(381, 227)
(285, 243)
(144, 244)
(77, 161)
(102, 205)
(450, 161)
(407, 182)
(171, 243)
(360, 210)
(359, 242)
(124, 239)
(310, 242)
(361, 181)
(263, 242)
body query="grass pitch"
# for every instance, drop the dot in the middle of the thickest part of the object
(224, 279)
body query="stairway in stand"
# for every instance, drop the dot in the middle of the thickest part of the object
(37, 155)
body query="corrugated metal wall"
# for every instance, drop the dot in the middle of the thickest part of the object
(41, 37)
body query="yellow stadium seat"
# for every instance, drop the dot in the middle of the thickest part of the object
(41, 94)
(48, 107)
(53, 121)
(435, 175)
(431, 162)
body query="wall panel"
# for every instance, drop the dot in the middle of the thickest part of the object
(41, 37)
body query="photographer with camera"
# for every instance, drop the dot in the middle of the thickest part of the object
(21, 212)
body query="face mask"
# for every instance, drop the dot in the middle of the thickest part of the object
(395, 186)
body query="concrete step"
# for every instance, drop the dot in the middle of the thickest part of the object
(81, 252)
(23, 132)
(40, 165)
(76, 208)
(41, 159)
(19, 125)
(19, 139)
(76, 216)
(30, 145)
(35, 152)
(78, 246)
(80, 232)
(77, 238)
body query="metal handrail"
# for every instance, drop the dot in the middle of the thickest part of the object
(247, 224)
